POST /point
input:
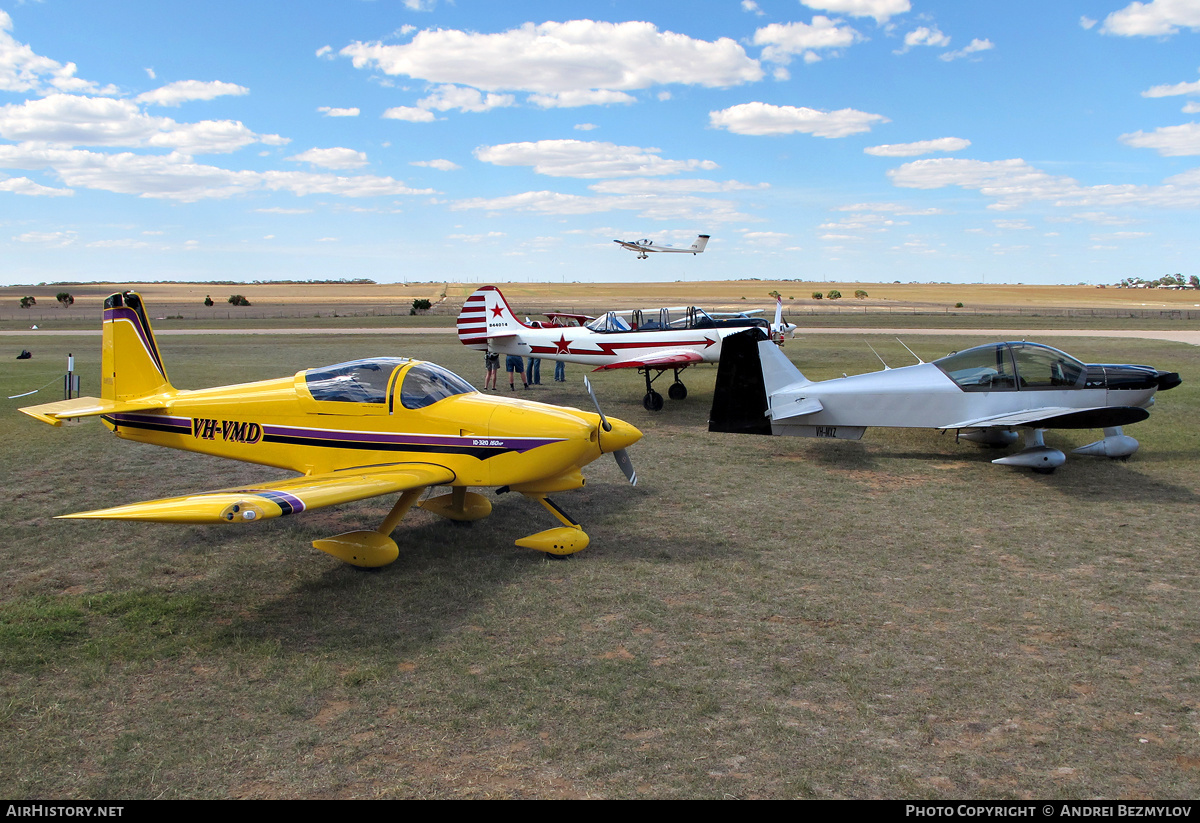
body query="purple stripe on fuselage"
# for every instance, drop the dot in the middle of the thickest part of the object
(153, 422)
(517, 444)
(153, 418)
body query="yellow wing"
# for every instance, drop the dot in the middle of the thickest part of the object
(264, 501)
(55, 413)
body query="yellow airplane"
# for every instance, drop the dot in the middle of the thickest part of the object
(355, 430)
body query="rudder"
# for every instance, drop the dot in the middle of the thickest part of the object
(131, 365)
(486, 314)
(740, 395)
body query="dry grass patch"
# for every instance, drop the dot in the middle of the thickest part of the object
(759, 617)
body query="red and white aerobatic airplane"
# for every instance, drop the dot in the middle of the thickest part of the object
(657, 341)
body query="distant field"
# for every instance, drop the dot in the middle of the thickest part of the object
(322, 302)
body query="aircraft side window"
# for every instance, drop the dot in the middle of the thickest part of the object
(1042, 367)
(427, 383)
(983, 368)
(359, 381)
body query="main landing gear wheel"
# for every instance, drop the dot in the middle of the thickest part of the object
(653, 401)
(678, 391)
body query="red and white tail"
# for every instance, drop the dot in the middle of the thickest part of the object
(781, 328)
(486, 314)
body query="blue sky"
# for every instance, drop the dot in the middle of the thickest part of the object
(856, 140)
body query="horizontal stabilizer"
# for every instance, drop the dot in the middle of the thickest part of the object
(55, 413)
(800, 407)
(264, 501)
(1059, 417)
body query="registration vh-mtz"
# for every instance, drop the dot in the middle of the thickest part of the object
(985, 394)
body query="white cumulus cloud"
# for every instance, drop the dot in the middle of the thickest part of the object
(765, 118)
(335, 158)
(693, 209)
(782, 41)
(586, 159)
(175, 94)
(974, 46)
(21, 69)
(412, 114)
(176, 176)
(1168, 141)
(924, 36)
(1013, 183)
(1172, 90)
(881, 10)
(919, 147)
(23, 185)
(439, 164)
(445, 98)
(75, 120)
(558, 60)
(1154, 19)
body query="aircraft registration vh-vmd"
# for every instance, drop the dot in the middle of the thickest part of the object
(378, 426)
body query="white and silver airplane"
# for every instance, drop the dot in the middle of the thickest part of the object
(656, 341)
(984, 393)
(644, 246)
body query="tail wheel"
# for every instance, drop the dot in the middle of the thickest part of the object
(653, 401)
(678, 391)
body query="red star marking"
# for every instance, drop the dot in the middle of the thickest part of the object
(497, 311)
(564, 345)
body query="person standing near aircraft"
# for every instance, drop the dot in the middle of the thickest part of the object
(560, 371)
(534, 372)
(379, 426)
(491, 362)
(515, 363)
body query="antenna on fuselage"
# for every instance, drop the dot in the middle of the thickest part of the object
(910, 351)
(886, 367)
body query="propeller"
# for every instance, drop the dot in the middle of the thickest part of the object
(620, 455)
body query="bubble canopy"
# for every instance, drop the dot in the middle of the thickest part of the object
(374, 380)
(1013, 367)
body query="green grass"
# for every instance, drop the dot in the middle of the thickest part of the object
(759, 617)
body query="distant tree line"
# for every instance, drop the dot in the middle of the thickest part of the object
(364, 281)
(1168, 281)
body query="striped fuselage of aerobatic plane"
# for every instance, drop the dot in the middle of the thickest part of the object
(487, 322)
(353, 430)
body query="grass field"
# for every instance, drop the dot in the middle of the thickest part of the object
(758, 618)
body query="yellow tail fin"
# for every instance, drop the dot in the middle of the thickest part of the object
(131, 366)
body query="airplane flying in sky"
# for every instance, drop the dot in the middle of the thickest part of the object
(655, 341)
(379, 426)
(642, 247)
(984, 393)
